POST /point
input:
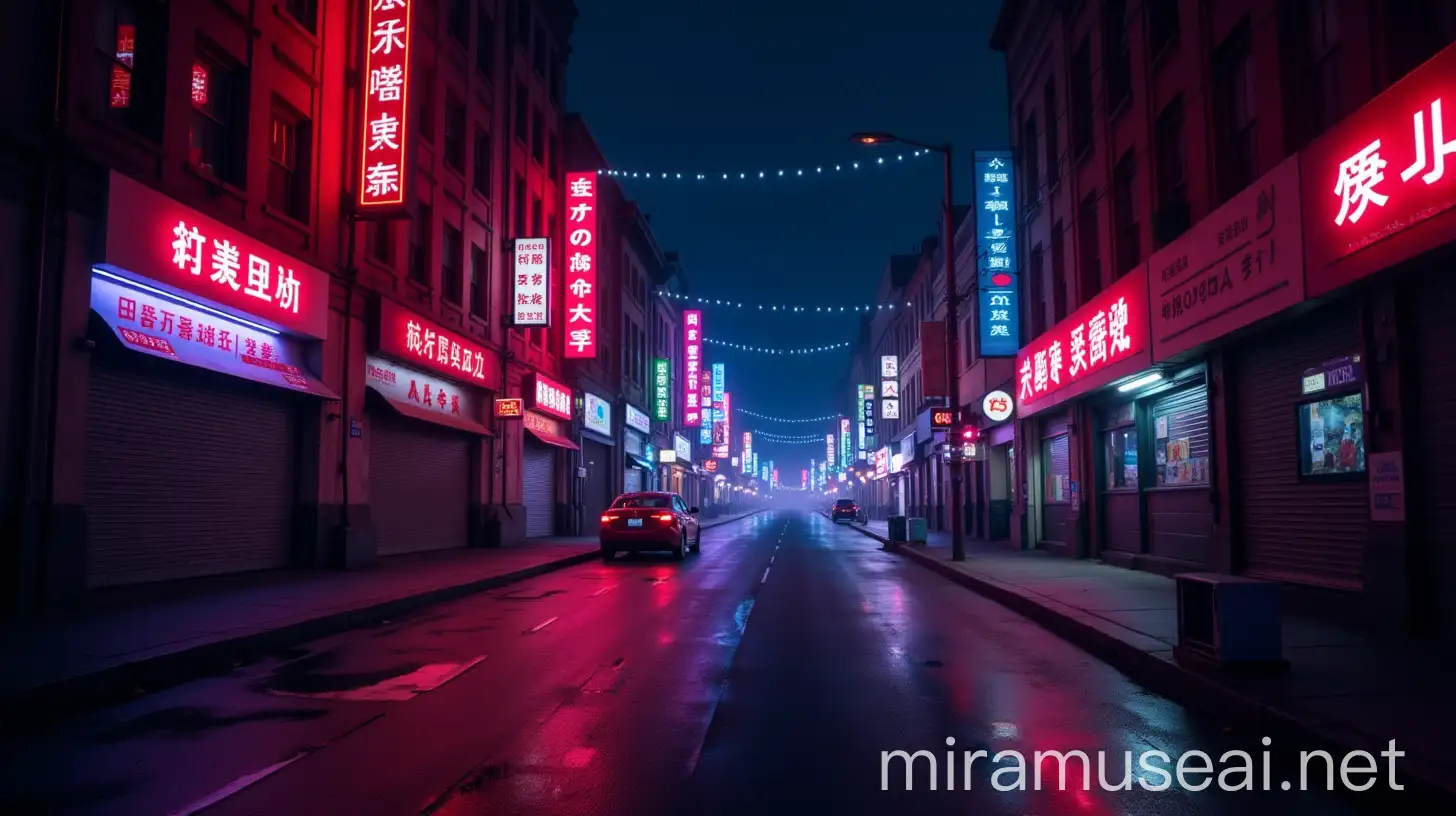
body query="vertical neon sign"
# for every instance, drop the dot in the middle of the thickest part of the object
(692, 368)
(581, 267)
(384, 130)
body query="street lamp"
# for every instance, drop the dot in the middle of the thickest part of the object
(952, 344)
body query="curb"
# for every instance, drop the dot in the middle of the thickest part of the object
(1196, 691)
(122, 683)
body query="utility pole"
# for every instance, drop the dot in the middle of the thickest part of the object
(952, 355)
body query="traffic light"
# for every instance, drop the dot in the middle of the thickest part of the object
(969, 433)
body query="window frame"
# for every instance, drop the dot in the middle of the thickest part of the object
(1301, 436)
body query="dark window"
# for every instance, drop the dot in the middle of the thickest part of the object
(1162, 26)
(454, 132)
(538, 137)
(219, 120)
(1171, 147)
(1235, 122)
(1116, 57)
(553, 156)
(1051, 116)
(541, 53)
(479, 275)
(1038, 292)
(1418, 30)
(380, 237)
(452, 248)
(1321, 92)
(419, 267)
(1059, 273)
(1089, 249)
(483, 163)
(305, 12)
(523, 22)
(457, 21)
(519, 206)
(522, 123)
(288, 155)
(426, 114)
(536, 217)
(558, 81)
(130, 53)
(484, 44)
(1030, 173)
(1125, 213)
(1081, 99)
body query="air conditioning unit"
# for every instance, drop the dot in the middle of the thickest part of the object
(1230, 620)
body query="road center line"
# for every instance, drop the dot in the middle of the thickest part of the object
(543, 624)
(604, 590)
(765, 576)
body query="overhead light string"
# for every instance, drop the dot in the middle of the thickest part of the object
(794, 173)
(765, 350)
(783, 307)
(761, 436)
(797, 420)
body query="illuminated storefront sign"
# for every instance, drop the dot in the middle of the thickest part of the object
(996, 406)
(385, 126)
(889, 387)
(581, 261)
(722, 428)
(692, 368)
(882, 462)
(163, 325)
(1105, 339)
(596, 414)
(829, 448)
(509, 408)
(762, 470)
(1240, 264)
(421, 395)
(661, 396)
(866, 416)
(711, 402)
(999, 326)
(941, 419)
(547, 396)
(773, 475)
(1375, 187)
(157, 240)
(682, 447)
(846, 452)
(716, 392)
(638, 420)
(531, 282)
(889, 367)
(747, 449)
(413, 339)
(541, 424)
(803, 480)
(666, 456)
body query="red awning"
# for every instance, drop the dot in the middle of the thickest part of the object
(413, 411)
(553, 439)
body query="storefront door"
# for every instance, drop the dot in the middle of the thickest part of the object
(538, 487)
(1056, 484)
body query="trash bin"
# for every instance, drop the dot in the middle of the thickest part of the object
(916, 531)
(897, 528)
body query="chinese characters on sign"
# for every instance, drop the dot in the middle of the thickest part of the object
(548, 396)
(692, 368)
(882, 463)
(829, 448)
(999, 327)
(1109, 329)
(846, 453)
(1379, 173)
(581, 259)
(661, 380)
(1241, 264)
(151, 235)
(531, 282)
(996, 406)
(412, 338)
(866, 417)
(889, 387)
(722, 429)
(383, 158)
(510, 408)
(406, 385)
(747, 449)
(638, 420)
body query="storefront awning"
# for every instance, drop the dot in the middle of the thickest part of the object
(413, 411)
(553, 439)
(153, 322)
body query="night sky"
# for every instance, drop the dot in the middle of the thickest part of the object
(753, 85)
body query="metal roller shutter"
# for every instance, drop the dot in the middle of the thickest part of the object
(187, 474)
(1307, 532)
(1431, 467)
(1186, 416)
(419, 485)
(538, 488)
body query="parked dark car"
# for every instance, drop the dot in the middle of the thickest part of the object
(845, 509)
(650, 522)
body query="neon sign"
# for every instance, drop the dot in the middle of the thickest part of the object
(531, 282)
(1109, 329)
(692, 368)
(409, 337)
(581, 273)
(384, 135)
(548, 396)
(661, 402)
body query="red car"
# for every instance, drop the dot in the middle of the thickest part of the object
(650, 522)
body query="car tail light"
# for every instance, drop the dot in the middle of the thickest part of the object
(607, 518)
(664, 517)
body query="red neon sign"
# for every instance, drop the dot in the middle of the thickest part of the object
(510, 408)
(151, 235)
(384, 129)
(581, 271)
(1382, 171)
(692, 368)
(406, 336)
(1111, 328)
(548, 396)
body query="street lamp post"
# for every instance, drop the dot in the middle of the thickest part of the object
(952, 323)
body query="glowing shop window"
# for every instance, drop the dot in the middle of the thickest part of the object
(1332, 436)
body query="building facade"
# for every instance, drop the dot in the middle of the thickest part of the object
(1233, 219)
(223, 359)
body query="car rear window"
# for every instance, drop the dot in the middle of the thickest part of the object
(845, 503)
(643, 501)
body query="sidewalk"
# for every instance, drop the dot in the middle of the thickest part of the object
(1345, 690)
(138, 639)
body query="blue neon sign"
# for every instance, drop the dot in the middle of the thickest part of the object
(998, 330)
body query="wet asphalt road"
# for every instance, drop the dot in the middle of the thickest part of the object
(765, 675)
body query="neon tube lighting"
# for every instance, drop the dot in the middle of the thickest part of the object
(1146, 379)
(191, 304)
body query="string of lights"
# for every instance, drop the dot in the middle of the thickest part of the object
(801, 421)
(762, 350)
(760, 436)
(818, 170)
(781, 307)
